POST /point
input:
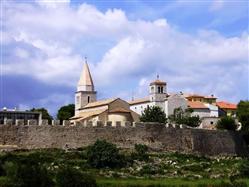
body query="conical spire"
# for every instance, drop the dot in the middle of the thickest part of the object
(85, 83)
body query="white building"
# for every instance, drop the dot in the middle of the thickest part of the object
(158, 96)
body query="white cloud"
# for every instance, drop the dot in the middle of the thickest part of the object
(205, 62)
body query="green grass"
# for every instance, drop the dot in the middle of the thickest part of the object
(112, 182)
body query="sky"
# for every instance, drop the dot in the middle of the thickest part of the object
(195, 46)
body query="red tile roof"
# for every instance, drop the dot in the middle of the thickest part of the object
(226, 105)
(158, 82)
(196, 105)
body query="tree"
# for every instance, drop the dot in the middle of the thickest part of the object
(103, 154)
(184, 117)
(45, 114)
(71, 177)
(66, 112)
(227, 123)
(153, 114)
(243, 114)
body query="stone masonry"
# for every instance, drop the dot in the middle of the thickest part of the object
(158, 137)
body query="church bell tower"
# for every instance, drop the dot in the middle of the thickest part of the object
(85, 89)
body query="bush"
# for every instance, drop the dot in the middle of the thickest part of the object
(27, 174)
(103, 154)
(244, 169)
(227, 123)
(141, 152)
(70, 177)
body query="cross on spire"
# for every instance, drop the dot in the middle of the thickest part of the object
(157, 76)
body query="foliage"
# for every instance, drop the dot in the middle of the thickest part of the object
(184, 117)
(103, 154)
(66, 112)
(227, 123)
(243, 114)
(141, 152)
(244, 169)
(71, 177)
(153, 114)
(27, 174)
(45, 114)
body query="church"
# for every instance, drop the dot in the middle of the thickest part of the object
(118, 111)
(89, 109)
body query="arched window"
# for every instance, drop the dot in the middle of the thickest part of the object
(161, 89)
(158, 88)
(88, 99)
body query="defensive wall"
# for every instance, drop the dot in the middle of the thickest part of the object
(158, 137)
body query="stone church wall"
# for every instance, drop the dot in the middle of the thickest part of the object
(157, 136)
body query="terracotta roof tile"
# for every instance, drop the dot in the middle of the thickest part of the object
(226, 105)
(196, 105)
(157, 81)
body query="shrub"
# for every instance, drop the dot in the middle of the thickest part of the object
(153, 114)
(227, 123)
(244, 169)
(103, 154)
(70, 177)
(27, 174)
(141, 152)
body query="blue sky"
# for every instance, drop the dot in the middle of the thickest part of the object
(195, 46)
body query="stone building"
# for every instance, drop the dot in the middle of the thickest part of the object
(88, 109)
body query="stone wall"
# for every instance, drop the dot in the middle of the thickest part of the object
(157, 136)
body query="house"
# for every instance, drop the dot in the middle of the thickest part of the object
(226, 108)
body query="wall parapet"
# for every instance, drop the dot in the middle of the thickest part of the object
(159, 137)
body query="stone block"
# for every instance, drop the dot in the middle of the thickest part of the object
(66, 123)
(32, 122)
(20, 122)
(8, 122)
(100, 124)
(55, 122)
(118, 123)
(128, 124)
(108, 123)
(89, 124)
(44, 122)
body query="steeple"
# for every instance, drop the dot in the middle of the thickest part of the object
(85, 89)
(85, 83)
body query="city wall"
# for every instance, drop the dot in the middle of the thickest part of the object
(158, 137)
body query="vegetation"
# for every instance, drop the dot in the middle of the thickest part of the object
(153, 114)
(66, 112)
(71, 177)
(227, 123)
(184, 117)
(140, 152)
(59, 168)
(243, 114)
(103, 154)
(45, 114)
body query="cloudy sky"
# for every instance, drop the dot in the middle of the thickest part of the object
(195, 46)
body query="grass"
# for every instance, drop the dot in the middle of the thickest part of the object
(170, 182)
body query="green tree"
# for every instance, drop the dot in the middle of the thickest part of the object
(71, 177)
(153, 114)
(45, 114)
(227, 123)
(243, 114)
(181, 116)
(103, 154)
(66, 112)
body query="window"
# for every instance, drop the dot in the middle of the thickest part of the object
(88, 99)
(211, 122)
(161, 89)
(152, 89)
(158, 88)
